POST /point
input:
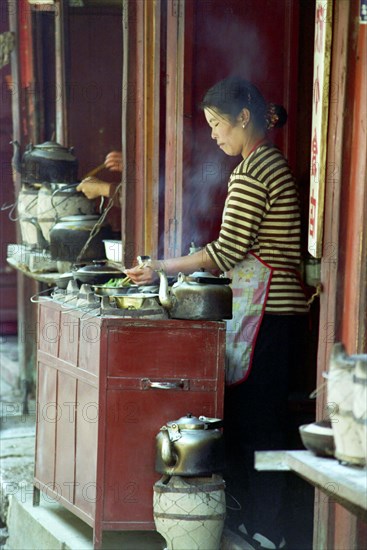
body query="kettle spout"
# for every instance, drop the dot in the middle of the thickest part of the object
(15, 161)
(164, 296)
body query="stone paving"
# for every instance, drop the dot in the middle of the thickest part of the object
(17, 432)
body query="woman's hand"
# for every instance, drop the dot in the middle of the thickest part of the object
(142, 275)
(93, 188)
(113, 161)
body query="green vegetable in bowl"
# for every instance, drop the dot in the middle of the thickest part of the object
(116, 283)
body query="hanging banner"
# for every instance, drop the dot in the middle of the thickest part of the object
(320, 111)
(363, 13)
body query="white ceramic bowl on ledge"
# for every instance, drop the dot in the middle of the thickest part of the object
(113, 250)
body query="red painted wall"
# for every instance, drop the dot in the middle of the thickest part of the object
(233, 38)
(95, 91)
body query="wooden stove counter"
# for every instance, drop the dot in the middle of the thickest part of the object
(105, 386)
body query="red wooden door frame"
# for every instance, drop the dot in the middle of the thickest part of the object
(343, 264)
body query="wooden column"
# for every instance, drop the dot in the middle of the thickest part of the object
(174, 128)
(354, 317)
(141, 92)
(60, 67)
(151, 123)
(24, 130)
(343, 265)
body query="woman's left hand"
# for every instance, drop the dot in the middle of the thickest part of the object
(142, 275)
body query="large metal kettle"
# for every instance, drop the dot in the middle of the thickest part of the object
(197, 296)
(45, 163)
(190, 446)
(70, 234)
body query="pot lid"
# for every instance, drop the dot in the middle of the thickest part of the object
(198, 274)
(99, 267)
(139, 295)
(53, 150)
(206, 277)
(191, 422)
(79, 218)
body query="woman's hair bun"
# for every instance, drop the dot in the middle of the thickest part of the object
(276, 116)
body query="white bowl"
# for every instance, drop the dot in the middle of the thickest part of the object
(318, 438)
(113, 250)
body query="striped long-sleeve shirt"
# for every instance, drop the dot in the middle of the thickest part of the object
(261, 215)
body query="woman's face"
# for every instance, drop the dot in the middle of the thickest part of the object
(230, 137)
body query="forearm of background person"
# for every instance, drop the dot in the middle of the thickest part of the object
(185, 264)
(98, 188)
(93, 188)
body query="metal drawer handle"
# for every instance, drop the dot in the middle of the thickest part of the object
(179, 385)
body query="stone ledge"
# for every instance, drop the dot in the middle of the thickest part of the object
(50, 525)
(345, 484)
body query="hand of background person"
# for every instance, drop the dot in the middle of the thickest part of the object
(93, 188)
(113, 161)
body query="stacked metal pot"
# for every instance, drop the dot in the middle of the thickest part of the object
(52, 214)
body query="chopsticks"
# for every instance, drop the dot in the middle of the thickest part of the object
(94, 171)
(126, 281)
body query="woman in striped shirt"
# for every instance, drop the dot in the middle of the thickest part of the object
(259, 243)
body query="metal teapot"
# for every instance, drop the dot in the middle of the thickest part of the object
(190, 446)
(45, 163)
(196, 296)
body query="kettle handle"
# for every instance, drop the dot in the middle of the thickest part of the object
(211, 423)
(168, 456)
(16, 160)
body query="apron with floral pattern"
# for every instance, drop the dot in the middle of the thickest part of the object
(251, 280)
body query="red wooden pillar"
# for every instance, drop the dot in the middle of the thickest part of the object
(8, 315)
(343, 274)
(141, 93)
(24, 130)
(355, 198)
(174, 127)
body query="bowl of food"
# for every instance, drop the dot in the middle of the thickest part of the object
(318, 438)
(139, 300)
(115, 286)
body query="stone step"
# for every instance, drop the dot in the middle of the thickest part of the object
(50, 526)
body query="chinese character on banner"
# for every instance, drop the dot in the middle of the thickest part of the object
(312, 214)
(314, 162)
(320, 112)
(319, 25)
